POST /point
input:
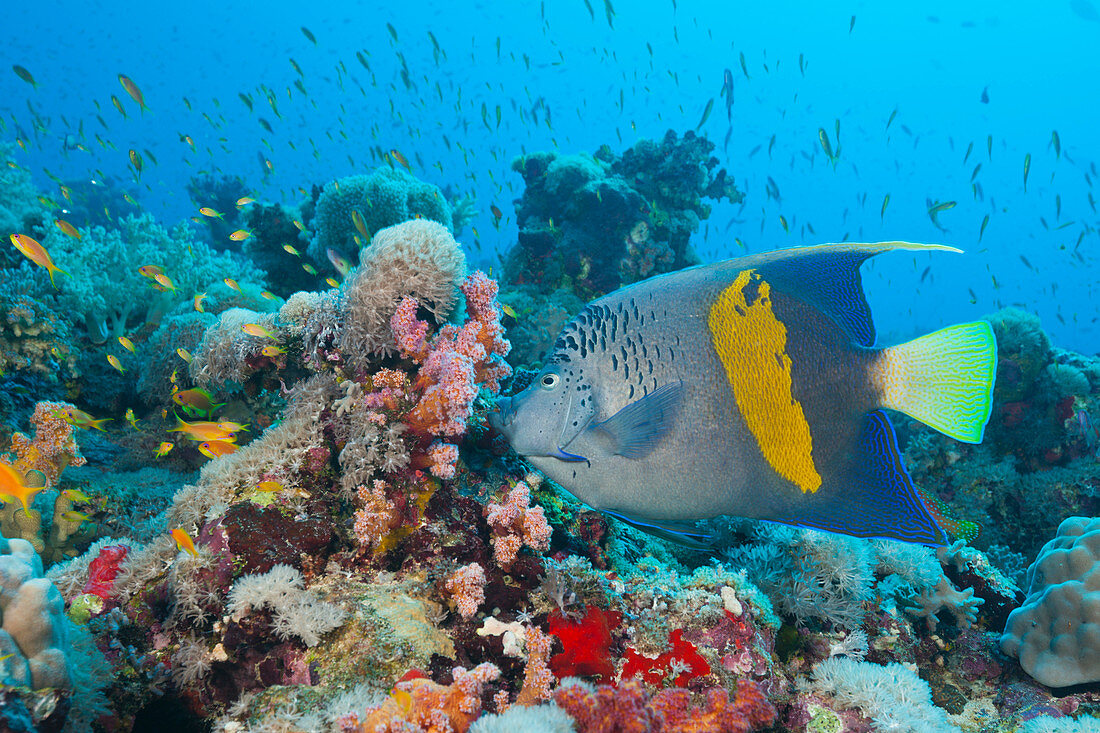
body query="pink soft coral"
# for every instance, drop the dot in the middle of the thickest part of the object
(467, 588)
(515, 523)
(455, 361)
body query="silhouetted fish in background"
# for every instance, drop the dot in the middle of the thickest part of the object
(749, 387)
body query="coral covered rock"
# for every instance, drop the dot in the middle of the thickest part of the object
(1056, 632)
(385, 197)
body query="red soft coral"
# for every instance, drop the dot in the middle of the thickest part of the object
(586, 643)
(683, 658)
(103, 570)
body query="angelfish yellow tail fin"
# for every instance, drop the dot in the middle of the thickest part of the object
(944, 379)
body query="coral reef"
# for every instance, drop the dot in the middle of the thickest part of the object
(104, 274)
(364, 553)
(33, 338)
(593, 223)
(383, 198)
(20, 209)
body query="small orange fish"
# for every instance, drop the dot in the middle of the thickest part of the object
(74, 516)
(396, 154)
(309, 268)
(184, 354)
(113, 361)
(163, 449)
(184, 541)
(198, 302)
(203, 430)
(127, 344)
(240, 235)
(36, 253)
(136, 161)
(67, 228)
(197, 399)
(299, 225)
(255, 329)
(231, 427)
(150, 271)
(80, 419)
(245, 201)
(207, 211)
(216, 448)
(13, 485)
(233, 284)
(132, 89)
(272, 351)
(187, 139)
(269, 486)
(165, 282)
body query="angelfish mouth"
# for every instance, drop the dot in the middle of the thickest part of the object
(502, 416)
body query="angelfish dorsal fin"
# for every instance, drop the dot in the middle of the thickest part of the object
(827, 277)
(636, 429)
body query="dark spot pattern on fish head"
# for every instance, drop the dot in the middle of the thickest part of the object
(546, 416)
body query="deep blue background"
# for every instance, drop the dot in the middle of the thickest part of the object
(930, 60)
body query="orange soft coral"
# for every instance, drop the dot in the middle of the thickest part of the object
(434, 708)
(53, 447)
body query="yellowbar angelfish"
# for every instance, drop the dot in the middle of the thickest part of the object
(750, 387)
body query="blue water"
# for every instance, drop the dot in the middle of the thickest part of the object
(929, 60)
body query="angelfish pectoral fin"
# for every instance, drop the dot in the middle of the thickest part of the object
(564, 456)
(636, 429)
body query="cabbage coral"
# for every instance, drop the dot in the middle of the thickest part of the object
(386, 197)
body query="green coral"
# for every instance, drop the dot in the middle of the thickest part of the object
(105, 288)
(385, 197)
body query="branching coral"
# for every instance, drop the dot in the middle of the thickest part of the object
(428, 705)
(105, 282)
(53, 447)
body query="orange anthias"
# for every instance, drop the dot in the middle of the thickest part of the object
(13, 485)
(36, 253)
(183, 539)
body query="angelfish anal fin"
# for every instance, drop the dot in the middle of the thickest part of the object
(636, 429)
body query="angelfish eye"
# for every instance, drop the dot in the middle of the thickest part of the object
(549, 381)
